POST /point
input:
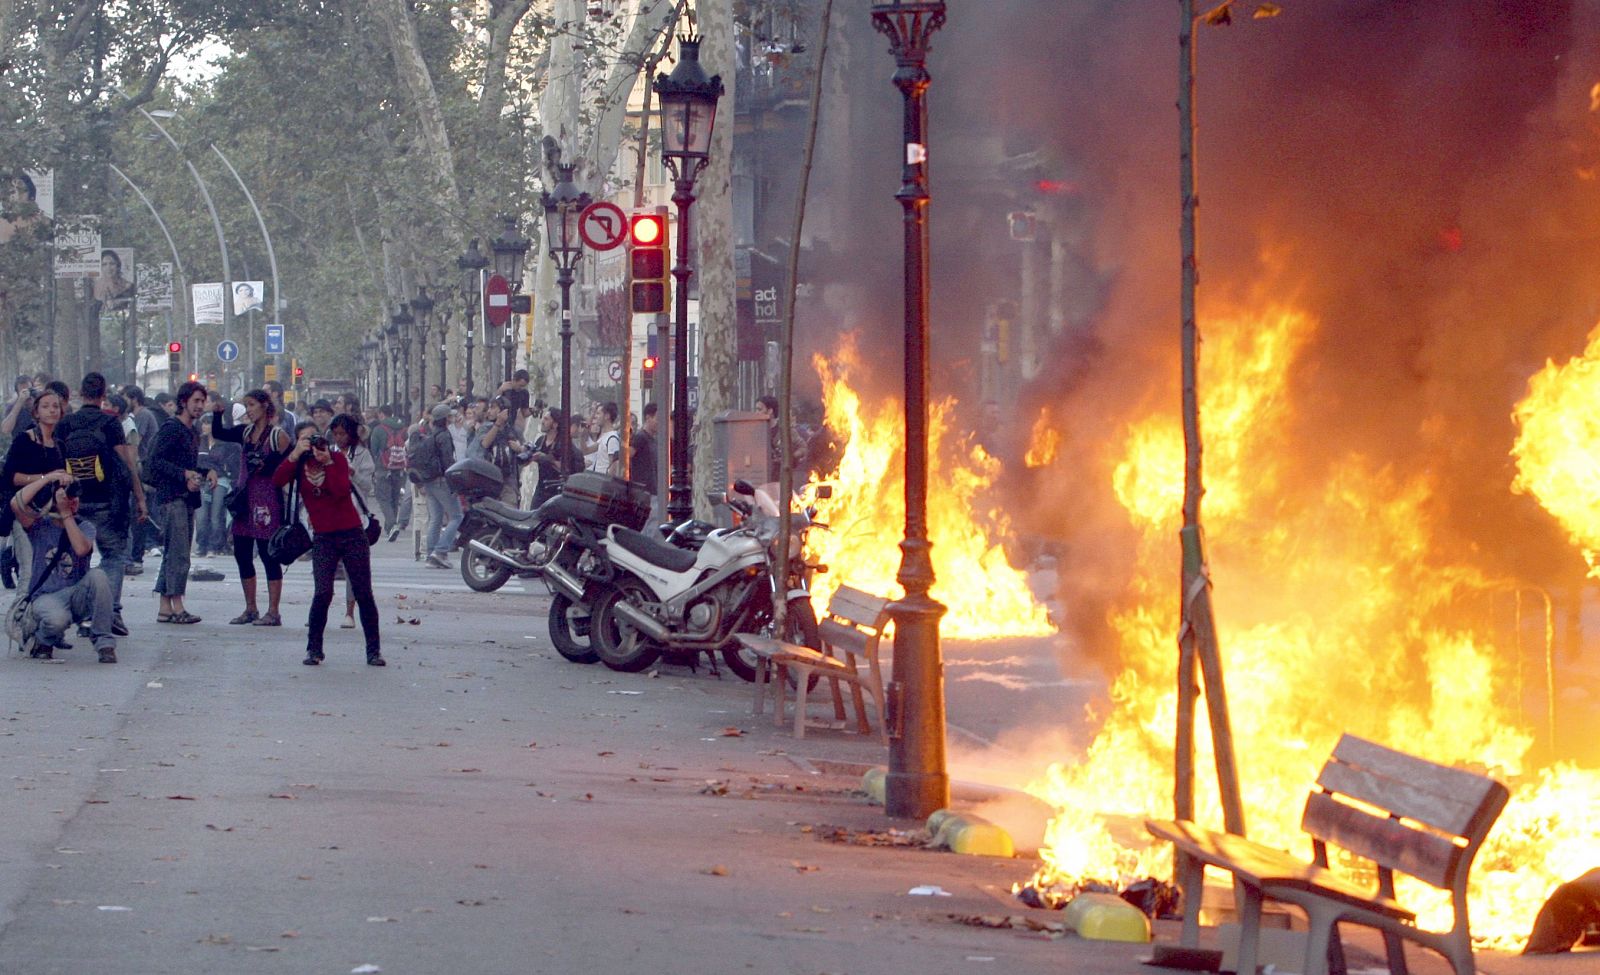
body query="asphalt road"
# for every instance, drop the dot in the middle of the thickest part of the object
(480, 806)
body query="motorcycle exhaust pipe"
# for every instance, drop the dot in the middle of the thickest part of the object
(483, 549)
(563, 580)
(640, 620)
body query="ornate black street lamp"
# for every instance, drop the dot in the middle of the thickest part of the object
(378, 339)
(510, 250)
(393, 332)
(917, 783)
(688, 113)
(471, 265)
(444, 344)
(403, 322)
(368, 349)
(423, 306)
(562, 206)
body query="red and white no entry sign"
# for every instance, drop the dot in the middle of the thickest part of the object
(497, 300)
(602, 225)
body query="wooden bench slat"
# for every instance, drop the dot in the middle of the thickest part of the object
(1450, 790)
(1392, 844)
(1266, 868)
(1453, 814)
(857, 607)
(839, 635)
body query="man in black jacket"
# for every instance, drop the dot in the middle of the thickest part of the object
(175, 475)
(105, 466)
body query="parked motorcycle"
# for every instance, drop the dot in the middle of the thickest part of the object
(498, 540)
(663, 598)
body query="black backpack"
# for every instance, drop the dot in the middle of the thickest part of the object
(423, 462)
(87, 449)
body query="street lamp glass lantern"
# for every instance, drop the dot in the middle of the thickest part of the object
(422, 305)
(688, 109)
(563, 208)
(402, 319)
(510, 248)
(471, 264)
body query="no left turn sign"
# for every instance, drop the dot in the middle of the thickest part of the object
(602, 225)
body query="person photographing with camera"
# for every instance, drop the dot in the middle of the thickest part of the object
(61, 586)
(321, 475)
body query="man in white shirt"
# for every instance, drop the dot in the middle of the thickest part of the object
(607, 456)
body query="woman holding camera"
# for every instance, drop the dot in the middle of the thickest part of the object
(257, 507)
(322, 476)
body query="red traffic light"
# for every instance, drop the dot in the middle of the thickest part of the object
(174, 347)
(649, 363)
(194, 377)
(648, 229)
(299, 371)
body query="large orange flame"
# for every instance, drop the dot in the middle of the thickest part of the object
(986, 597)
(1334, 615)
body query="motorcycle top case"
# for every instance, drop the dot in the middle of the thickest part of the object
(609, 499)
(474, 477)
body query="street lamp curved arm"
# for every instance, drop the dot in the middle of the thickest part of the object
(216, 222)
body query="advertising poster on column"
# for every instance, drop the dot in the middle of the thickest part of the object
(78, 247)
(154, 282)
(247, 296)
(113, 286)
(207, 303)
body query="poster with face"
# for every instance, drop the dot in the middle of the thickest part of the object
(20, 212)
(247, 296)
(154, 282)
(78, 247)
(113, 286)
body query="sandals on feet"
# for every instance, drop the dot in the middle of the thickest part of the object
(244, 618)
(269, 619)
(181, 617)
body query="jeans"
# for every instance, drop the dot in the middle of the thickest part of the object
(177, 534)
(89, 600)
(143, 534)
(211, 525)
(327, 551)
(111, 538)
(444, 516)
(389, 483)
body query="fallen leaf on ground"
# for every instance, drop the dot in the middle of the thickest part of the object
(189, 798)
(717, 871)
(281, 795)
(731, 732)
(803, 867)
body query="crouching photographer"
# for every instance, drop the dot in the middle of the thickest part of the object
(63, 588)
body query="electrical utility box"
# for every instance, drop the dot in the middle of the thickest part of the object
(740, 443)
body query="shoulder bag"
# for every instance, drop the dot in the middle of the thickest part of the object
(374, 530)
(291, 540)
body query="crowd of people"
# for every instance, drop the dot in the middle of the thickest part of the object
(192, 475)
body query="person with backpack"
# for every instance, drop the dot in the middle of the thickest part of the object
(389, 447)
(105, 466)
(429, 453)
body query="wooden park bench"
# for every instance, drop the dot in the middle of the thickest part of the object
(1414, 817)
(851, 630)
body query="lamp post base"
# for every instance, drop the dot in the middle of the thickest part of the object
(917, 783)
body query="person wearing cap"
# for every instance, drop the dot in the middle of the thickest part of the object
(322, 415)
(444, 510)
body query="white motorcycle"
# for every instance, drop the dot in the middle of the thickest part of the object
(665, 599)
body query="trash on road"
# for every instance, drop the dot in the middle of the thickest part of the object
(929, 890)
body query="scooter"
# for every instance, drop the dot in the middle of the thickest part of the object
(667, 599)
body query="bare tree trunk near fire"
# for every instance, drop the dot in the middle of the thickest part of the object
(780, 595)
(713, 218)
(1197, 631)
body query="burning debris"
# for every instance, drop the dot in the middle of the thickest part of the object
(1155, 898)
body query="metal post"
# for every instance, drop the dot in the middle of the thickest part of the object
(177, 262)
(564, 279)
(680, 500)
(917, 783)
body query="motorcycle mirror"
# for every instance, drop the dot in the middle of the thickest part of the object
(742, 486)
(824, 492)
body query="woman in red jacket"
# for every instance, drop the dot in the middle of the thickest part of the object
(324, 485)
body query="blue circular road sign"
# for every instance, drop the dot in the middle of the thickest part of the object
(227, 350)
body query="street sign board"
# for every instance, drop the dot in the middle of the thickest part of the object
(602, 225)
(269, 371)
(614, 370)
(227, 350)
(274, 340)
(497, 300)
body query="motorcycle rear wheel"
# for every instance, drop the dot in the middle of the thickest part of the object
(799, 626)
(480, 572)
(578, 649)
(620, 646)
